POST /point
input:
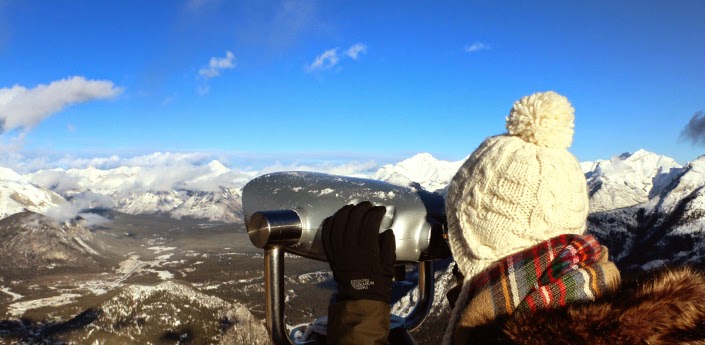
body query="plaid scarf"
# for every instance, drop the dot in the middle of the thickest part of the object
(551, 274)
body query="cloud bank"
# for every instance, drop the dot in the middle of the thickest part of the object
(21, 107)
(169, 171)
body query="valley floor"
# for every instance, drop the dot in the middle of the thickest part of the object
(206, 261)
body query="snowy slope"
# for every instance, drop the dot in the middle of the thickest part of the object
(18, 194)
(690, 178)
(683, 199)
(430, 173)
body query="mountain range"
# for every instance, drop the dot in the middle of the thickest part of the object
(212, 191)
(636, 199)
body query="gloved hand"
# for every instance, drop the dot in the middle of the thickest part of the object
(362, 259)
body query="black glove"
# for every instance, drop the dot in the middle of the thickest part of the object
(362, 259)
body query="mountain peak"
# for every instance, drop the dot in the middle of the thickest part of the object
(217, 167)
(8, 174)
(423, 169)
(423, 156)
(638, 154)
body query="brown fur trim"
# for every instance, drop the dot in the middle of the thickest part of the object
(667, 308)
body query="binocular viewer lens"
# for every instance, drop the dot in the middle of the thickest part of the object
(280, 227)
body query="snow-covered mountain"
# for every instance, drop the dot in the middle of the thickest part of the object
(654, 214)
(628, 179)
(210, 191)
(18, 194)
(422, 169)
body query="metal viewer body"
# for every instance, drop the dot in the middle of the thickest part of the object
(284, 212)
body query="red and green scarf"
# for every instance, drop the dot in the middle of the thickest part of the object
(551, 274)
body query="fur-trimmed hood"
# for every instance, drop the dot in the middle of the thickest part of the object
(666, 307)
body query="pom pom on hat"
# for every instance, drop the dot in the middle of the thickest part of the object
(545, 119)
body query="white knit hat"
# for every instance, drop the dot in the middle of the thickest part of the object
(519, 188)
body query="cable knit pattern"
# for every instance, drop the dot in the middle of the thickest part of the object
(518, 189)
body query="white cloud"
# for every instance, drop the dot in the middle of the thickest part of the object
(477, 46)
(355, 50)
(328, 59)
(216, 65)
(43, 161)
(246, 164)
(24, 108)
(79, 203)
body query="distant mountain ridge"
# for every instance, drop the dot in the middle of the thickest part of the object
(212, 191)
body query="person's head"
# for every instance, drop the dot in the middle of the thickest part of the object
(517, 189)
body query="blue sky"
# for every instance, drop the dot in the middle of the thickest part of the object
(390, 81)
